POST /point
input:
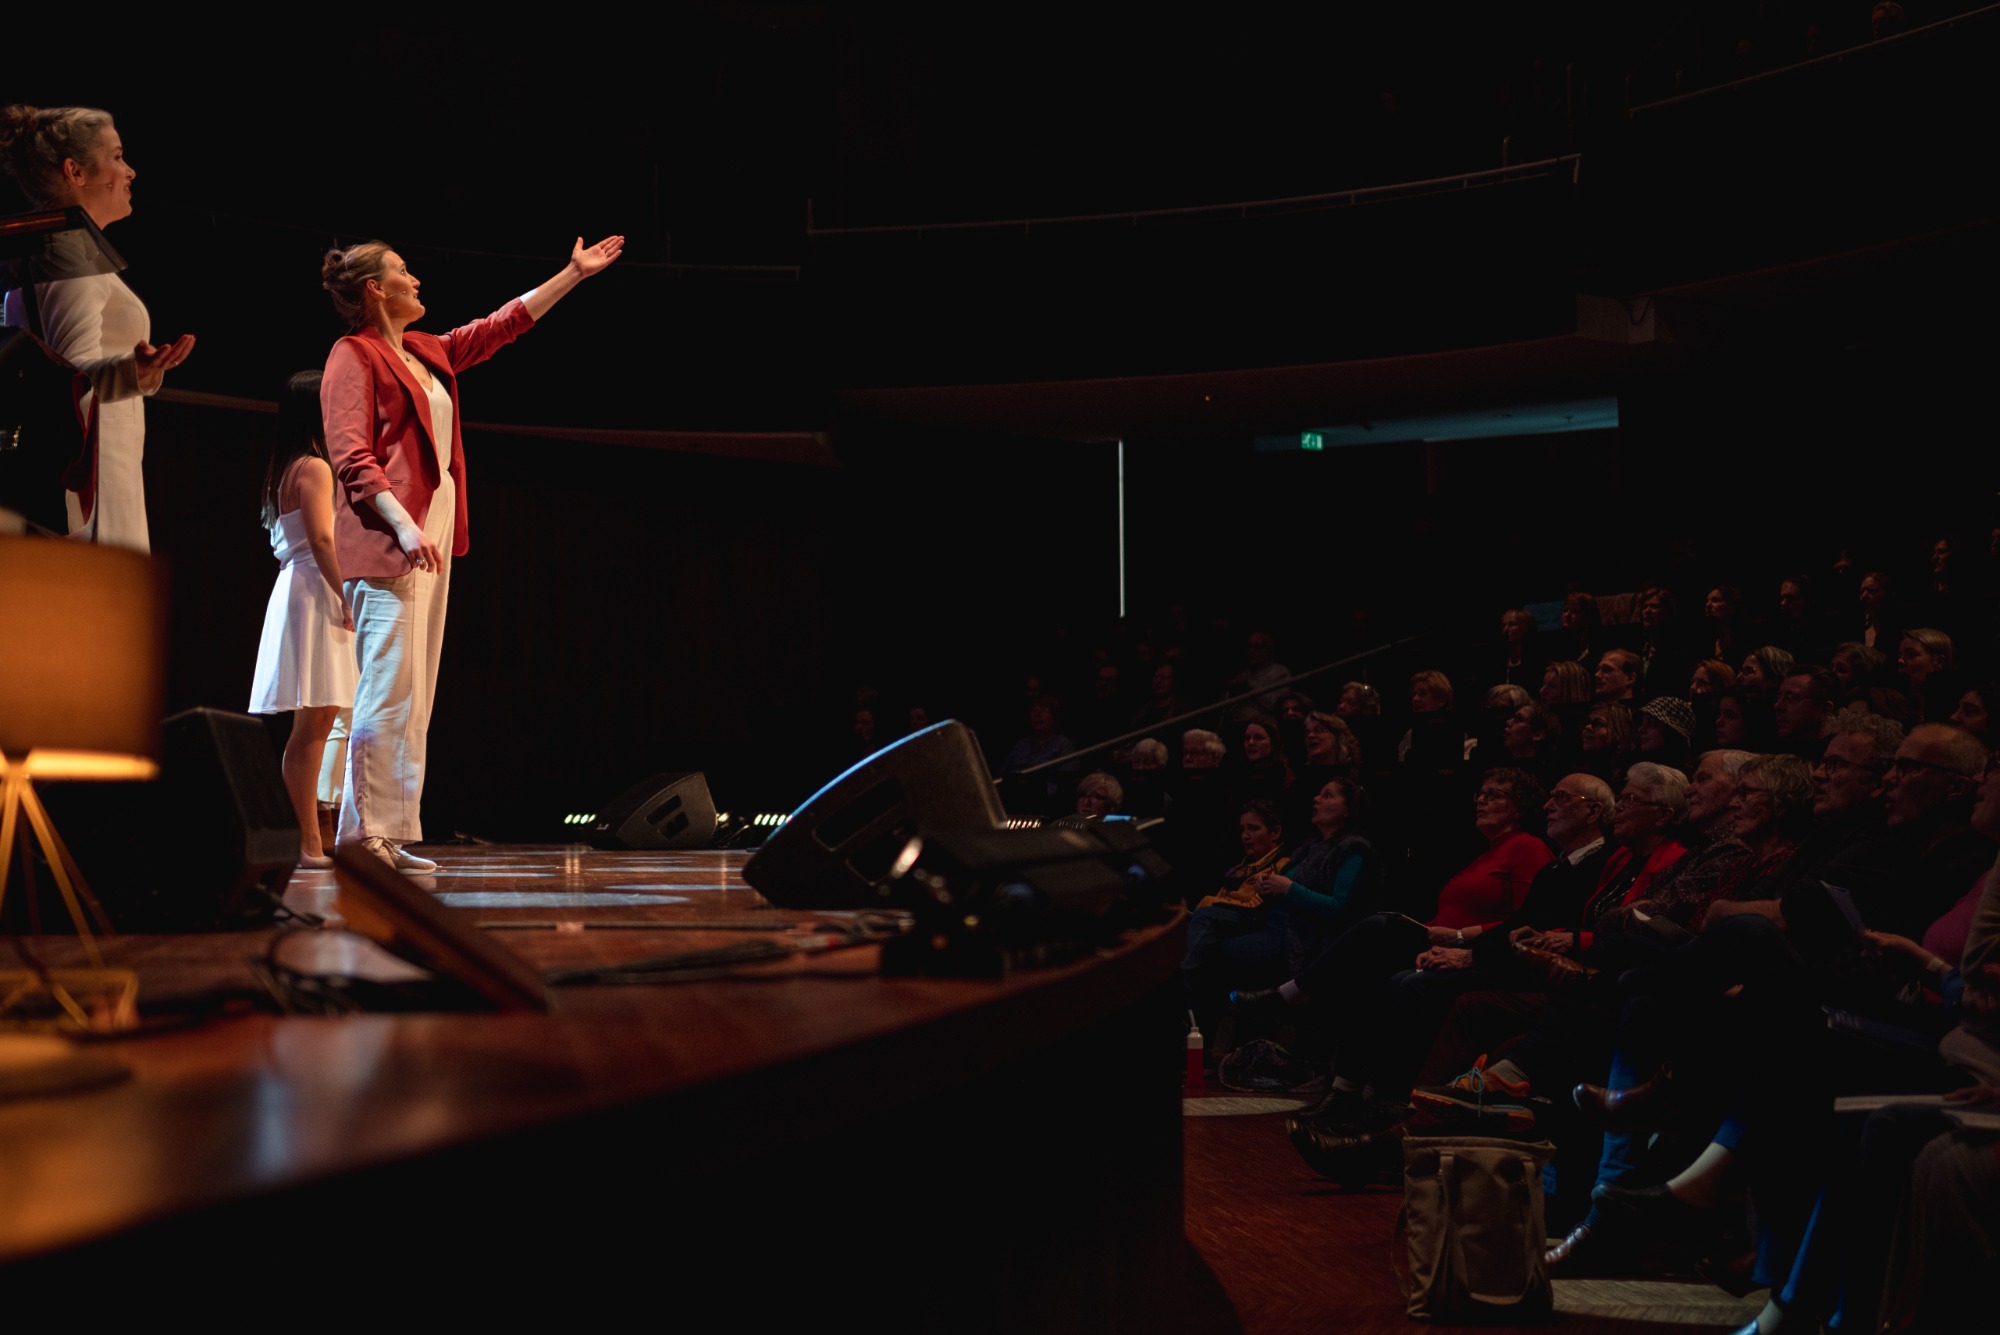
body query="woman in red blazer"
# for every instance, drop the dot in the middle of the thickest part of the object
(390, 399)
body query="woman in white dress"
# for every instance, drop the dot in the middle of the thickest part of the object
(305, 660)
(60, 157)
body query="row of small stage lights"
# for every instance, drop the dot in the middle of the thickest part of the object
(773, 819)
(764, 819)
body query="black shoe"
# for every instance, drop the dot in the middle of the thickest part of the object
(1734, 1275)
(1641, 1107)
(1587, 1252)
(1654, 1204)
(1263, 1003)
(1334, 1107)
(1357, 1155)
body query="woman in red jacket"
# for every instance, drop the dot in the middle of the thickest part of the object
(390, 399)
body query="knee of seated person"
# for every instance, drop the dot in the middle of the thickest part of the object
(1746, 929)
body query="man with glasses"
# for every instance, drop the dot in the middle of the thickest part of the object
(1800, 710)
(1928, 795)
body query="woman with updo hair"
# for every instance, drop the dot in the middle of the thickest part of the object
(72, 157)
(390, 399)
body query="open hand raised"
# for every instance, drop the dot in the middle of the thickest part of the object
(587, 260)
(159, 360)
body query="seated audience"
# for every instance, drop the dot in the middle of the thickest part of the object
(1345, 982)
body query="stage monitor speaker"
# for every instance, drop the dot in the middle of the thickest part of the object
(209, 845)
(840, 847)
(665, 811)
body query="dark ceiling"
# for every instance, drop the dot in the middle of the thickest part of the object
(734, 143)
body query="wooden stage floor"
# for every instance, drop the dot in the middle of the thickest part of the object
(1271, 1249)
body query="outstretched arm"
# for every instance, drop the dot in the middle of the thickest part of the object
(583, 262)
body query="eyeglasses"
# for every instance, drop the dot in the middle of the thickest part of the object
(1749, 790)
(1484, 796)
(1903, 767)
(1836, 765)
(1626, 800)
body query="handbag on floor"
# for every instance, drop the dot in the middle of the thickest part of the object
(1472, 1216)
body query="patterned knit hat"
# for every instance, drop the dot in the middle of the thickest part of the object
(1672, 713)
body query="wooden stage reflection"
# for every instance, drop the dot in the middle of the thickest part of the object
(750, 1144)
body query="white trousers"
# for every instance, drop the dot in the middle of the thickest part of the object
(398, 630)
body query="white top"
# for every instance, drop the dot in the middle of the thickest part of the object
(93, 322)
(440, 519)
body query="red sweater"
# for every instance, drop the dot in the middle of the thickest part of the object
(1492, 884)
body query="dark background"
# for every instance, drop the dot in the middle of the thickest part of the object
(1813, 247)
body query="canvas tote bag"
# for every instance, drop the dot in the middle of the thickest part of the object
(1472, 1213)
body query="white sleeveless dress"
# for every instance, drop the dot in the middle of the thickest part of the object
(306, 656)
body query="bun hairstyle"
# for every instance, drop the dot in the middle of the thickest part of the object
(34, 141)
(345, 274)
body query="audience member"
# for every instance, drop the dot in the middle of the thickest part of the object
(1663, 732)
(1099, 794)
(1040, 745)
(1261, 768)
(1722, 611)
(1663, 650)
(1974, 711)
(1806, 699)
(1584, 639)
(1801, 627)
(1164, 701)
(1857, 664)
(1617, 676)
(1762, 669)
(1925, 662)
(1878, 624)
(1260, 673)
(1605, 740)
(1520, 654)
(1235, 938)
(1710, 675)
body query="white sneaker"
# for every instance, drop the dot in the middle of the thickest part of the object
(407, 861)
(397, 856)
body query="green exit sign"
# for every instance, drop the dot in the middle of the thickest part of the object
(1311, 440)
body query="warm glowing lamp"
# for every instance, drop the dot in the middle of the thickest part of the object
(82, 684)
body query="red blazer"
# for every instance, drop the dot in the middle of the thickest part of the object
(379, 434)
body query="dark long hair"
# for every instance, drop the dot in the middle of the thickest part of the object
(300, 433)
